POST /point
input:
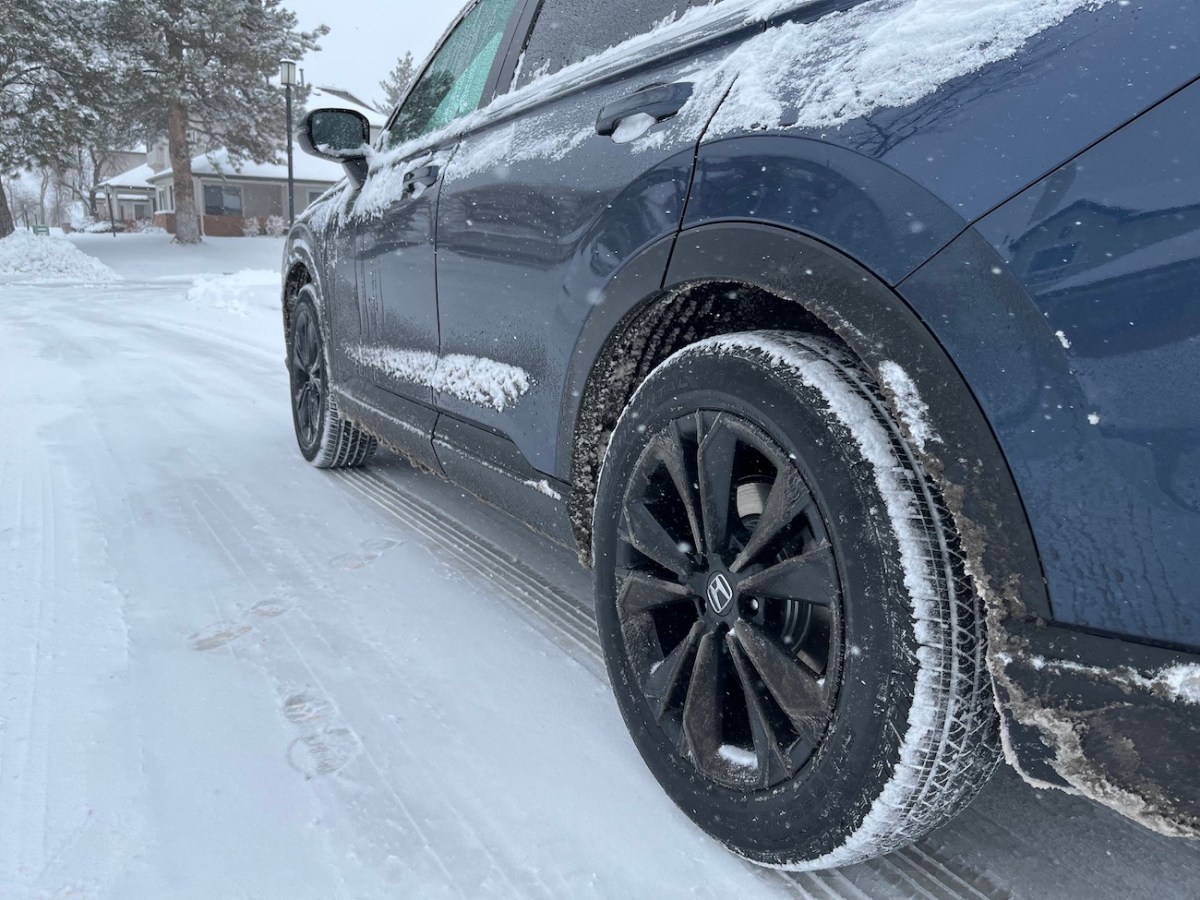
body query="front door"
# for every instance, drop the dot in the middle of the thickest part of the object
(396, 211)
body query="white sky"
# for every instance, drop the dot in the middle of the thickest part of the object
(366, 38)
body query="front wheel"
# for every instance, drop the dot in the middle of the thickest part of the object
(791, 641)
(326, 439)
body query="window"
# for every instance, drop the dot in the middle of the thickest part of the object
(313, 197)
(569, 31)
(453, 84)
(222, 200)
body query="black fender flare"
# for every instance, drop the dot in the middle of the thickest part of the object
(879, 326)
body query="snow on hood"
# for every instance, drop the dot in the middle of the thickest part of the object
(45, 258)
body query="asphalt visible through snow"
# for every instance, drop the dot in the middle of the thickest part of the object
(226, 674)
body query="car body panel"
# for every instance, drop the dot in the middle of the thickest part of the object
(1098, 407)
(538, 214)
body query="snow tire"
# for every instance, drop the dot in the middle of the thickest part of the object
(325, 439)
(827, 745)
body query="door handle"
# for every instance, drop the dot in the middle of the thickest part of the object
(426, 176)
(660, 101)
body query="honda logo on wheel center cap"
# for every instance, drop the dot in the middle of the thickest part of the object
(720, 594)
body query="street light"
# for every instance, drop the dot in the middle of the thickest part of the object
(287, 77)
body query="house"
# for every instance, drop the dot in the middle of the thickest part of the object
(229, 194)
(128, 197)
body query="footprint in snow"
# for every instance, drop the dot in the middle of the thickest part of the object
(269, 609)
(323, 752)
(371, 551)
(303, 708)
(215, 636)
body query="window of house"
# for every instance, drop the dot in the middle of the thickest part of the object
(453, 84)
(569, 31)
(313, 197)
(222, 200)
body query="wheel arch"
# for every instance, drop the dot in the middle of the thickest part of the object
(735, 276)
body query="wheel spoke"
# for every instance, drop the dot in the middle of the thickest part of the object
(809, 578)
(701, 737)
(641, 592)
(788, 498)
(669, 449)
(663, 682)
(305, 342)
(715, 463)
(646, 535)
(773, 762)
(791, 687)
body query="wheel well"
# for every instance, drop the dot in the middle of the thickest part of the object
(663, 324)
(297, 277)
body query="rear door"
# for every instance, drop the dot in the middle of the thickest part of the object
(396, 211)
(542, 209)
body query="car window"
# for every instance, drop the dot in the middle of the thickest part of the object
(453, 84)
(569, 31)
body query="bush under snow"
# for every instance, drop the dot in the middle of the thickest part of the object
(47, 258)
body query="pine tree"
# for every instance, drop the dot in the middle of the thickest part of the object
(202, 69)
(49, 73)
(398, 81)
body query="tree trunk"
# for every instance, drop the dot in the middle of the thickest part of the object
(6, 220)
(187, 230)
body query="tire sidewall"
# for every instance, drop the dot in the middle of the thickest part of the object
(812, 814)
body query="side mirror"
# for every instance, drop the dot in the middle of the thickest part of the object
(338, 135)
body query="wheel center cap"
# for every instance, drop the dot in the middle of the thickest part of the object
(720, 593)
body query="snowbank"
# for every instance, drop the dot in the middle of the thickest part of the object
(239, 292)
(48, 258)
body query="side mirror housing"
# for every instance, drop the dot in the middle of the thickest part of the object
(339, 135)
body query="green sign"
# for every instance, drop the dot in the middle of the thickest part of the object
(41, 229)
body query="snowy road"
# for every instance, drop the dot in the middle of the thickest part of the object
(226, 674)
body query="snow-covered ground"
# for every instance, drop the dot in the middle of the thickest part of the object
(226, 674)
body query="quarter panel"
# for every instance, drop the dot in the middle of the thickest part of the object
(1089, 369)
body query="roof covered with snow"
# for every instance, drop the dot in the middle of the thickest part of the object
(137, 177)
(218, 163)
(336, 98)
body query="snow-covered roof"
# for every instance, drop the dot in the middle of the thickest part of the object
(305, 167)
(336, 98)
(137, 177)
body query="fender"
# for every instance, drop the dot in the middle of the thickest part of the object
(878, 326)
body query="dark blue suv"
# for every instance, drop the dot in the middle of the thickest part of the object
(854, 345)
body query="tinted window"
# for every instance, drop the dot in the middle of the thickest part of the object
(453, 84)
(569, 31)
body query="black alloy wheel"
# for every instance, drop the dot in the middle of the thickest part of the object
(309, 382)
(326, 439)
(788, 631)
(729, 599)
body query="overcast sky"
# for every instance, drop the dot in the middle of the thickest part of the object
(366, 38)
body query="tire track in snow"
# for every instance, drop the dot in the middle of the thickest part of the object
(915, 872)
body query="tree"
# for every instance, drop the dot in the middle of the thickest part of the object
(201, 69)
(398, 81)
(50, 72)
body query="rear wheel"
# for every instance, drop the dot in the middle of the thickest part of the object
(325, 438)
(796, 653)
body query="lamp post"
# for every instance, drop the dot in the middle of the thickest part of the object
(287, 76)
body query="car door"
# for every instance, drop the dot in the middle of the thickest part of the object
(395, 212)
(543, 208)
